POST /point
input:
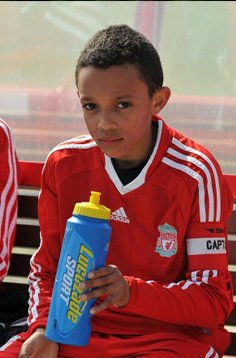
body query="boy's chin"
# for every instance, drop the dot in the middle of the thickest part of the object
(110, 152)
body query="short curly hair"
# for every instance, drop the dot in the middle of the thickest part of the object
(118, 45)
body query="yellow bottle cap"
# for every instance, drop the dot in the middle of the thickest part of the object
(92, 208)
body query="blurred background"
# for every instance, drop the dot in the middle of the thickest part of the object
(41, 42)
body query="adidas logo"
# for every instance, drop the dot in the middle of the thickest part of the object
(120, 215)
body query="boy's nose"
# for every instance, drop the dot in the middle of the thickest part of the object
(106, 122)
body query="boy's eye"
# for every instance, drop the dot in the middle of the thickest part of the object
(123, 105)
(89, 106)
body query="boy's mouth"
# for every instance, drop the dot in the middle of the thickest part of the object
(109, 141)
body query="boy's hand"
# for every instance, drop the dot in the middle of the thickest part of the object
(38, 346)
(108, 281)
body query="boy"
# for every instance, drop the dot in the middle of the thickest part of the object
(166, 291)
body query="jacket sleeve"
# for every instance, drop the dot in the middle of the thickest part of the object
(204, 297)
(8, 197)
(44, 261)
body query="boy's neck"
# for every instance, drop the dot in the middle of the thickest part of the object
(126, 164)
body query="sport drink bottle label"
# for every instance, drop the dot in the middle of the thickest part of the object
(75, 271)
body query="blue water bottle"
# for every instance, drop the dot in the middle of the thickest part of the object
(84, 248)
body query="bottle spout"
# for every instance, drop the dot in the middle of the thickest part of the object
(95, 197)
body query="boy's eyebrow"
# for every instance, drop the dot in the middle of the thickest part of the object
(85, 98)
(124, 96)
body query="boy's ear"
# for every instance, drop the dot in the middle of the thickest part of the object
(78, 94)
(160, 98)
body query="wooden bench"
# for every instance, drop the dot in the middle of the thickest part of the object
(27, 237)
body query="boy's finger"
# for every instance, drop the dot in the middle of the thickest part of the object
(103, 271)
(98, 292)
(102, 306)
(95, 279)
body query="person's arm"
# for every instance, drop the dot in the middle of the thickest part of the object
(203, 298)
(8, 197)
(44, 261)
(43, 269)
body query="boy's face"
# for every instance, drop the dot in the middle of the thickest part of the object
(118, 110)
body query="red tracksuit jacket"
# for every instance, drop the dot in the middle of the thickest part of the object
(168, 236)
(8, 197)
